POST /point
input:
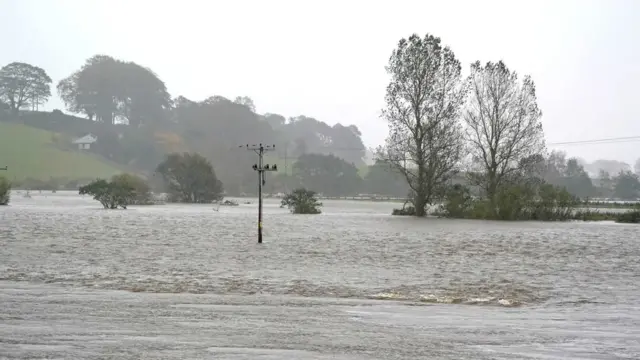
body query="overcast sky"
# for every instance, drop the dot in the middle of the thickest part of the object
(325, 59)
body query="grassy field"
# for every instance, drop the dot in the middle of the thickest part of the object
(31, 153)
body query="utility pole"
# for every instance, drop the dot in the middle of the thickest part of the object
(261, 169)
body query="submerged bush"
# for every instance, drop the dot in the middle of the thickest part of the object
(121, 191)
(5, 191)
(630, 217)
(516, 202)
(302, 201)
(405, 211)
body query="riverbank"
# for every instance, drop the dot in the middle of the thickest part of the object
(630, 216)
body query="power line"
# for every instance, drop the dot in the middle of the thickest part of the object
(615, 140)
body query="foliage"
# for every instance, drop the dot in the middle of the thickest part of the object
(110, 90)
(30, 153)
(383, 179)
(190, 178)
(568, 174)
(636, 167)
(327, 174)
(24, 86)
(5, 191)
(458, 201)
(216, 125)
(302, 201)
(112, 194)
(121, 191)
(169, 141)
(544, 202)
(302, 134)
(630, 217)
(112, 93)
(610, 166)
(626, 186)
(141, 189)
(423, 103)
(503, 126)
(246, 101)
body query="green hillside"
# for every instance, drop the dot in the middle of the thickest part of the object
(31, 153)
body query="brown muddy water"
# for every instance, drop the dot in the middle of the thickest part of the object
(187, 282)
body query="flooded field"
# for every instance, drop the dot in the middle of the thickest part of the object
(187, 282)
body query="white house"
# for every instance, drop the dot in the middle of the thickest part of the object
(84, 143)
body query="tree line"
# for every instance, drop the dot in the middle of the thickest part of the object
(137, 121)
(482, 131)
(486, 126)
(185, 178)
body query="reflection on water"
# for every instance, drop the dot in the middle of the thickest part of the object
(497, 272)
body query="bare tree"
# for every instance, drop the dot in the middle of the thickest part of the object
(502, 121)
(423, 103)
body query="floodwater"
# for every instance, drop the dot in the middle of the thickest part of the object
(188, 282)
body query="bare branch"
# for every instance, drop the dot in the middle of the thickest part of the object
(502, 123)
(424, 98)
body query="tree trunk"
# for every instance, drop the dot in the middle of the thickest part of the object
(420, 205)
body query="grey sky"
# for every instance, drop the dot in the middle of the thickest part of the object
(326, 59)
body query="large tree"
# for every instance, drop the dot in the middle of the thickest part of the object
(215, 128)
(577, 181)
(190, 178)
(110, 90)
(303, 134)
(385, 180)
(24, 86)
(423, 104)
(626, 186)
(327, 174)
(502, 123)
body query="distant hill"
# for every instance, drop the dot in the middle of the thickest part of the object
(33, 153)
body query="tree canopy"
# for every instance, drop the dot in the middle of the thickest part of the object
(128, 107)
(502, 122)
(627, 186)
(24, 86)
(190, 178)
(384, 179)
(327, 174)
(111, 91)
(424, 99)
(302, 201)
(438, 124)
(122, 191)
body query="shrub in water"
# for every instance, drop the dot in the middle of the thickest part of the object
(302, 201)
(5, 191)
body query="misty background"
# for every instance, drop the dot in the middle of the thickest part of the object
(326, 59)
